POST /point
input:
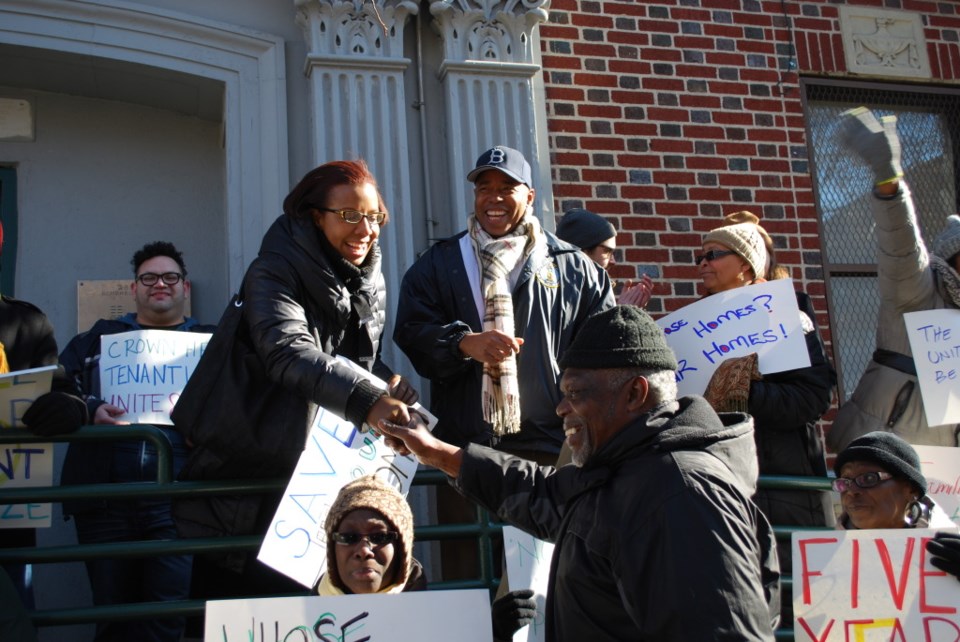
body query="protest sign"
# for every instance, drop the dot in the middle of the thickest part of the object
(336, 453)
(24, 465)
(871, 585)
(761, 318)
(935, 342)
(941, 467)
(423, 616)
(528, 567)
(144, 371)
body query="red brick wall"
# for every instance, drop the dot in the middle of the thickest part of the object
(664, 115)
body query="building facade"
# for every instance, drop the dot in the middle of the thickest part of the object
(126, 121)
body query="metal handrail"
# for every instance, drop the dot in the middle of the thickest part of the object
(485, 529)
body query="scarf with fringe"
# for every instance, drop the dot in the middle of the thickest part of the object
(497, 258)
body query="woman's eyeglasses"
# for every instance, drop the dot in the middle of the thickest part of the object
(711, 256)
(151, 278)
(376, 539)
(353, 216)
(866, 480)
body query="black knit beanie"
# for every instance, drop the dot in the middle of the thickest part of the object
(622, 337)
(584, 229)
(896, 456)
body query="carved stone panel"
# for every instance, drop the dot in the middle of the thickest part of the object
(881, 42)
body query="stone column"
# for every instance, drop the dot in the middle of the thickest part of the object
(355, 68)
(493, 89)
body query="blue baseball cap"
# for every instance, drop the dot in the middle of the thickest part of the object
(507, 160)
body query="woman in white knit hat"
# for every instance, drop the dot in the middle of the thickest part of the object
(785, 405)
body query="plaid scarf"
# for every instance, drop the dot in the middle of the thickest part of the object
(500, 393)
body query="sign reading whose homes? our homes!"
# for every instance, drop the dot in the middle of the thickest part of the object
(422, 616)
(762, 318)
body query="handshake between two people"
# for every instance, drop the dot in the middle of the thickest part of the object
(414, 438)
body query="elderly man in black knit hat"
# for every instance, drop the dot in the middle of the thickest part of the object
(656, 536)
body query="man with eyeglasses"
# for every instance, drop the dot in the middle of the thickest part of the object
(160, 289)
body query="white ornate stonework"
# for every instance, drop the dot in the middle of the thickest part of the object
(489, 30)
(882, 42)
(493, 89)
(355, 27)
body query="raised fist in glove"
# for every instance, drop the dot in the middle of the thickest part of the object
(55, 413)
(512, 612)
(945, 548)
(875, 141)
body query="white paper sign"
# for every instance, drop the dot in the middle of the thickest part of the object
(144, 371)
(24, 465)
(941, 467)
(336, 453)
(424, 616)
(528, 567)
(761, 318)
(871, 586)
(935, 342)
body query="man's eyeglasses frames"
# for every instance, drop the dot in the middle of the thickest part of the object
(151, 278)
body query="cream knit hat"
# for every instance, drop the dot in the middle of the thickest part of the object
(746, 240)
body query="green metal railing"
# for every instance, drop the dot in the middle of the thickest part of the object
(486, 530)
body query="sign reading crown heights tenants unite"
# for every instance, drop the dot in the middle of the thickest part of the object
(336, 453)
(143, 372)
(762, 318)
(873, 585)
(420, 616)
(24, 465)
(935, 342)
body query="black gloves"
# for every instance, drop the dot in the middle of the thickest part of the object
(55, 413)
(945, 548)
(512, 612)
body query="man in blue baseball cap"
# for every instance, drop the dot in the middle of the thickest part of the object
(487, 314)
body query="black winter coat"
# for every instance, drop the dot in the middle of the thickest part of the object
(656, 537)
(297, 311)
(785, 407)
(555, 293)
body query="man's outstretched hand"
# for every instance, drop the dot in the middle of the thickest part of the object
(414, 438)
